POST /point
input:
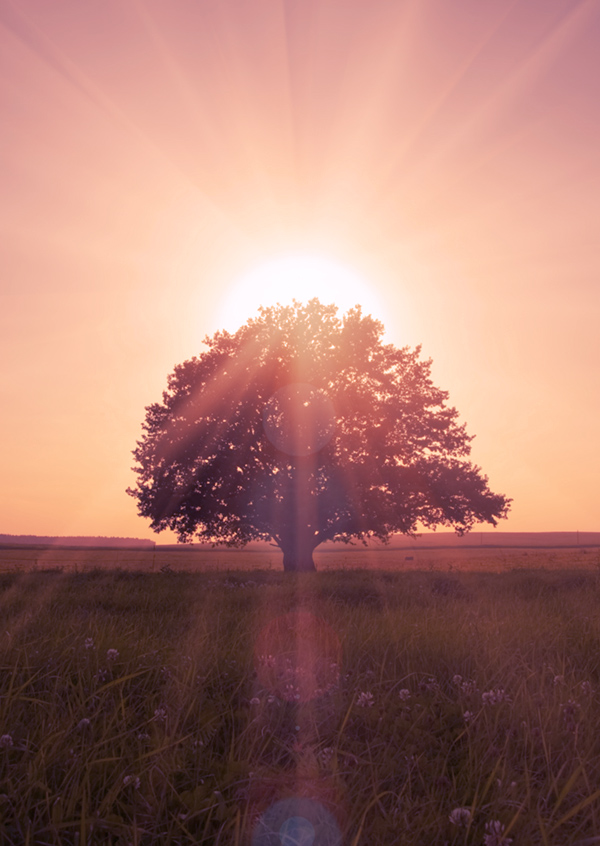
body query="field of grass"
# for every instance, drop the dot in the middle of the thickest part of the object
(419, 708)
(190, 560)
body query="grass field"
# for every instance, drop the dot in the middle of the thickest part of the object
(186, 559)
(417, 708)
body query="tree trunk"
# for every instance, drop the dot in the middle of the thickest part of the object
(298, 518)
(298, 551)
(297, 560)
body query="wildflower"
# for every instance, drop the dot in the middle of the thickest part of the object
(270, 699)
(166, 673)
(404, 694)
(143, 735)
(493, 697)
(460, 816)
(255, 700)
(6, 741)
(569, 714)
(160, 715)
(559, 680)
(365, 700)
(291, 692)
(325, 755)
(586, 688)
(468, 687)
(89, 643)
(467, 716)
(457, 680)
(83, 724)
(494, 835)
(112, 655)
(129, 779)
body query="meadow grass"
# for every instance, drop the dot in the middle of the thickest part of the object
(459, 709)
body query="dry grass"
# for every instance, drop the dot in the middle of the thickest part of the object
(488, 559)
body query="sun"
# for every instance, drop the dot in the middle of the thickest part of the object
(296, 277)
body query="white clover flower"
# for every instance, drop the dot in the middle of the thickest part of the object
(6, 741)
(494, 697)
(586, 688)
(160, 715)
(325, 755)
(559, 680)
(468, 687)
(255, 700)
(457, 680)
(83, 724)
(89, 643)
(570, 711)
(494, 835)
(292, 692)
(467, 716)
(129, 779)
(404, 694)
(365, 700)
(460, 816)
(143, 735)
(112, 655)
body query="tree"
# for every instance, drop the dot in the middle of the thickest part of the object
(303, 427)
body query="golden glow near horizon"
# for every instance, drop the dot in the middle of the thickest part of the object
(296, 277)
(155, 154)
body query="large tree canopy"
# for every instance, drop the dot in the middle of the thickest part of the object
(304, 427)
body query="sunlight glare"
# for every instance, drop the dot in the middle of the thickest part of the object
(300, 277)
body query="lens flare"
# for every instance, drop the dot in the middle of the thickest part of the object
(297, 821)
(297, 657)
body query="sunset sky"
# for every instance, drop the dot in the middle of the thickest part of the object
(442, 158)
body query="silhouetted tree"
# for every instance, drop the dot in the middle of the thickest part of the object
(304, 427)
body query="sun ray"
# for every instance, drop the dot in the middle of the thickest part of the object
(512, 87)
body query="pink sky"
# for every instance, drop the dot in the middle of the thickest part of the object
(154, 152)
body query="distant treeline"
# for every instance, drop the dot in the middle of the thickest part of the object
(43, 540)
(491, 539)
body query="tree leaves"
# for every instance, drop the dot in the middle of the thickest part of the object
(396, 456)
